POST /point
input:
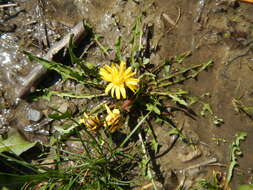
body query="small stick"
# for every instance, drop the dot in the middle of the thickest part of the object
(29, 81)
(147, 186)
(202, 164)
(238, 56)
(168, 19)
(179, 15)
(9, 5)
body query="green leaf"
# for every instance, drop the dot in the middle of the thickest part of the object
(66, 72)
(71, 48)
(206, 108)
(103, 48)
(135, 129)
(74, 95)
(59, 116)
(146, 61)
(64, 131)
(245, 187)
(174, 131)
(178, 99)
(4, 188)
(155, 145)
(153, 108)
(118, 45)
(240, 107)
(240, 137)
(217, 121)
(235, 152)
(180, 57)
(144, 168)
(15, 143)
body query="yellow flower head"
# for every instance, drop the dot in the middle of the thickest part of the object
(119, 76)
(92, 122)
(112, 120)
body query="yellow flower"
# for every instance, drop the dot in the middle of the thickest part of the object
(112, 120)
(91, 122)
(119, 76)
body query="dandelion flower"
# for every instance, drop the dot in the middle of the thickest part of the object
(119, 77)
(91, 122)
(112, 120)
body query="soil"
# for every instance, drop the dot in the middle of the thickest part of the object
(221, 31)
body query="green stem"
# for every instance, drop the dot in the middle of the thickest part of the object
(134, 130)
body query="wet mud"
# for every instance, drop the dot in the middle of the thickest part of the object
(221, 31)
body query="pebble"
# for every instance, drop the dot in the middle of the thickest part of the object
(3, 128)
(68, 106)
(33, 115)
(79, 88)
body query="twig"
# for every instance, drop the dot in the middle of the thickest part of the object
(86, 49)
(9, 5)
(37, 72)
(169, 19)
(147, 186)
(238, 56)
(179, 15)
(202, 164)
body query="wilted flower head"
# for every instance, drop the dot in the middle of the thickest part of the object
(112, 120)
(119, 77)
(91, 122)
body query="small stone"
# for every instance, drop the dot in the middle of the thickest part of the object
(79, 88)
(68, 106)
(4, 129)
(34, 115)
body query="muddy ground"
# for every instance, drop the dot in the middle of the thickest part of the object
(221, 31)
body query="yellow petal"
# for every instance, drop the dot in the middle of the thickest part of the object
(114, 128)
(123, 91)
(118, 92)
(108, 110)
(119, 77)
(128, 70)
(108, 88)
(122, 67)
(115, 72)
(103, 72)
(132, 81)
(108, 68)
(112, 91)
(105, 75)
(129, 75)
(132, 87)
(82, 121)
(116, 111)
